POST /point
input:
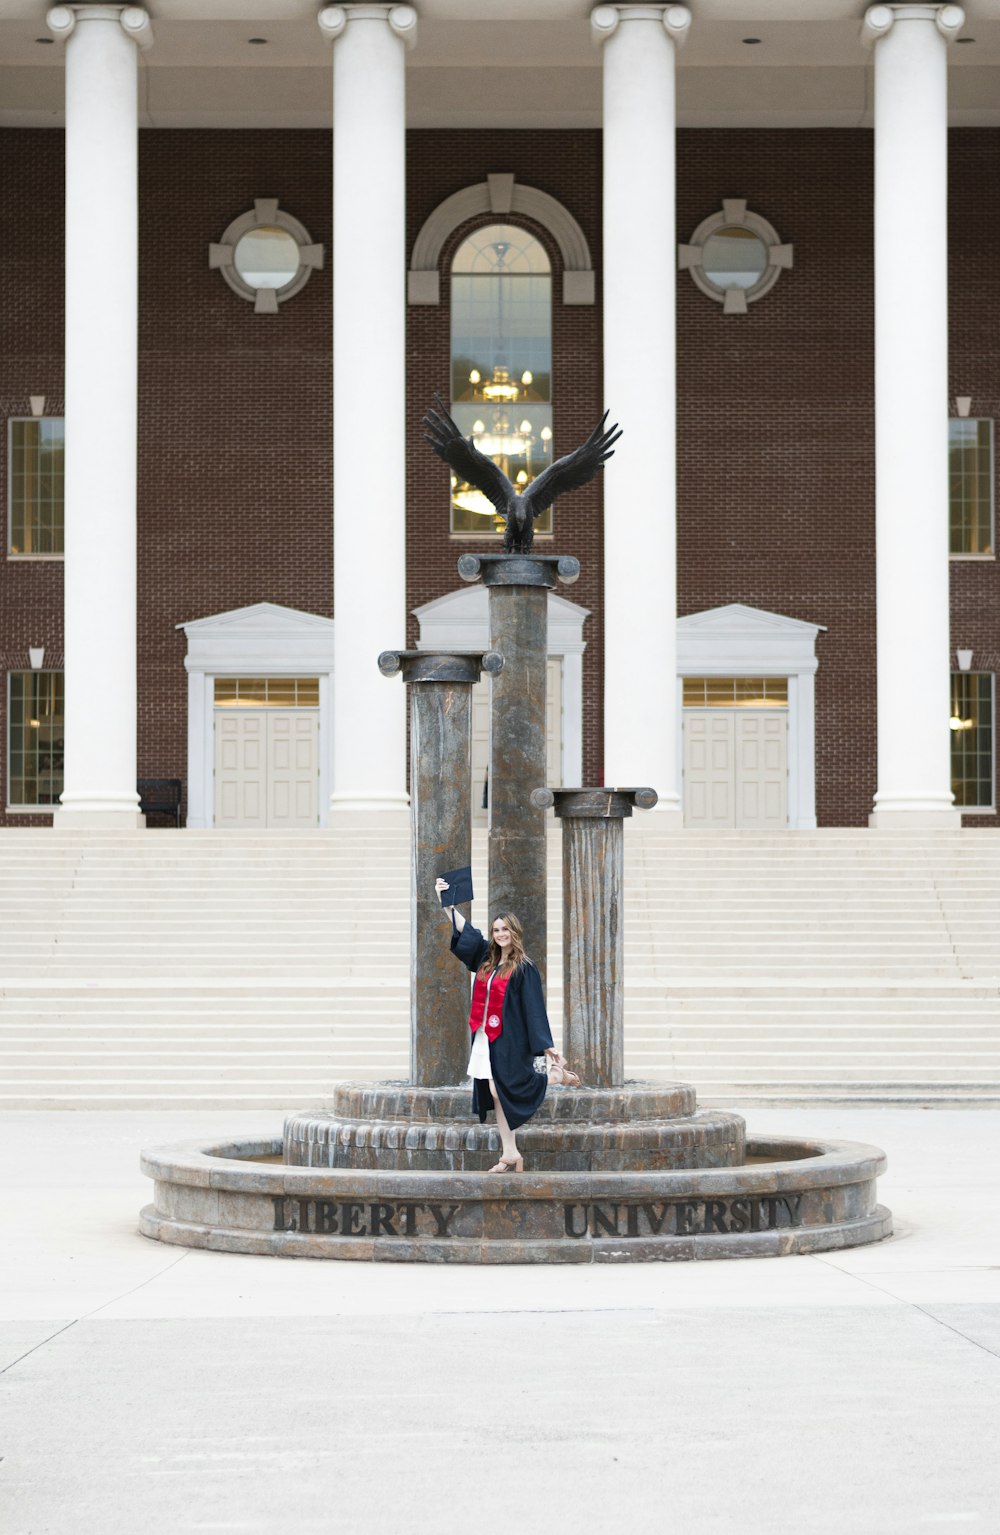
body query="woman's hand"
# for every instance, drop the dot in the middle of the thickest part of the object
(440, 885)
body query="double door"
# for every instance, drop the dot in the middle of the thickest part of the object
(267, 768)
(736, 768)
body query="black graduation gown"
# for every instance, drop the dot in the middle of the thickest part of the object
(526, 1033)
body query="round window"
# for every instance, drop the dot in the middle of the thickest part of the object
(267, 257)
(734, 258)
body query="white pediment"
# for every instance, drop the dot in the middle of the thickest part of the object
(260, 618)
(736, 640)
(737, 618)
(462, 619)
(263, 638)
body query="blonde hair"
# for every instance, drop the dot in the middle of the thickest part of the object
(494, 959)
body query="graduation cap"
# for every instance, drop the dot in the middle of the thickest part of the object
(459, 889)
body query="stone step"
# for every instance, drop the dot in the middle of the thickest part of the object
(248, 968)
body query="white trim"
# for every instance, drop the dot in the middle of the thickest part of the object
(262, 640)
(461, 621)
(739, 641)
(500, 196)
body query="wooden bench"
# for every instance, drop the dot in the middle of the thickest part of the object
(160, 796)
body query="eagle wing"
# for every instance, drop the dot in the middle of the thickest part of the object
(574, 470)
(465, 458)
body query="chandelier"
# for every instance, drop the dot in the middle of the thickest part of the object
(496, 434)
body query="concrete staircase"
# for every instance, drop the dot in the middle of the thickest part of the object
(246, 969)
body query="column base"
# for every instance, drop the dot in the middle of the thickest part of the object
(902, 819)
(368, 812)
(66, 819)
(667, 816)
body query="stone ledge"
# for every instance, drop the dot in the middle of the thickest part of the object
(592, 1105)
(704, 1139)
(805, 1197)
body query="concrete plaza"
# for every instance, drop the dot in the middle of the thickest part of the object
(149, 1389)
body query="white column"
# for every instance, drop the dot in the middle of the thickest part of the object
(369, 424)
(640, 492)
(101, 411)
(911, 392)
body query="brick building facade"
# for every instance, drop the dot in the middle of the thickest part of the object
(776, 483)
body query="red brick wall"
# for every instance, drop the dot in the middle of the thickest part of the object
(31, 362)
(776, 429)
(776, 426)
(235, 441)
(235, 438)
(974, 229)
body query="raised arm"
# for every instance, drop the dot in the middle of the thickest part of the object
(455, 914)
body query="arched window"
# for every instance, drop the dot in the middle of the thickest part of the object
(501, 363)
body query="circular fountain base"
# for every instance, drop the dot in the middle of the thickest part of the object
(396, 1127)
(790, 1197)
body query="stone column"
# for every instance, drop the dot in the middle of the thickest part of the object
(640, 485)
(911, 391)
(369, 420)
(102, 216)
(441, 819)
(593, 929)
(519, 616)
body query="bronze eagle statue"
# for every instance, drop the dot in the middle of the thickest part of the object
(518, 510)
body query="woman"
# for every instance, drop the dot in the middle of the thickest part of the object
(509, 1026)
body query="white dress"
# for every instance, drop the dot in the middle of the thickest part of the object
(479, 1060)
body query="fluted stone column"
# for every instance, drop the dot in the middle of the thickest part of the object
(593, 926)
(369, 372)
(911, 391)
(440, 687)
(102, 220)
(640, 490)
(519, 586)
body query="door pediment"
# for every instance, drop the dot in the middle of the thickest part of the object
(262, 637)
(736, 640)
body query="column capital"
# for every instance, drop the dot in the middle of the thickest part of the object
(676, 20)
(880, 19)
(401, 19)
(133, 20)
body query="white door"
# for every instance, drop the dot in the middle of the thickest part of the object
(266, 767)
(240, 768)
(736, 768)
(762, 769)
(709, 799)
(293, 768)
(481, 735)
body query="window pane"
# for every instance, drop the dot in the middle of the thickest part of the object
(971, 725)
(36, 485)
(267, 692)
(735, 692)
(970, 486)
(501, 363)
(36, 738)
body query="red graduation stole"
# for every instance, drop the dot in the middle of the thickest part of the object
(494, 1019)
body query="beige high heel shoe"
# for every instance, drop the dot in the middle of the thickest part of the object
(509, 1165)
(560, 1074)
